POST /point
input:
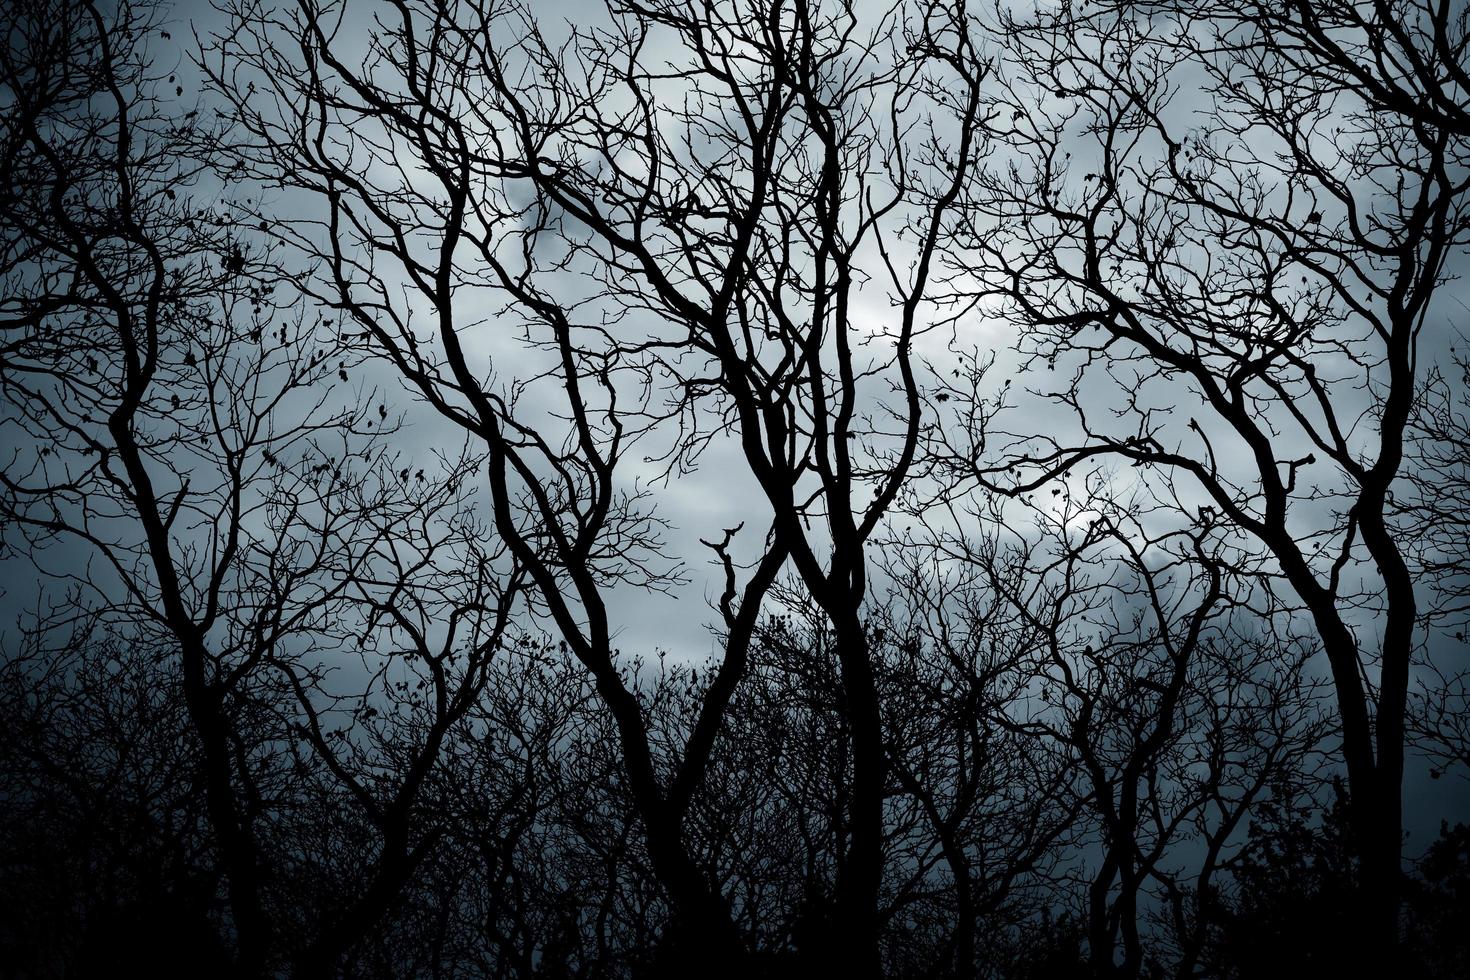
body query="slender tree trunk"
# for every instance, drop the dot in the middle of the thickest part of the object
(861, 876)
(237, 845)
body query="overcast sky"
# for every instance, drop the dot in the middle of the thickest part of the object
(721, 493)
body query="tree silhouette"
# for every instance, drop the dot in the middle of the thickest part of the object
(1268, 258)
(730, 488)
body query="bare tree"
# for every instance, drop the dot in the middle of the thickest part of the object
(739, 236)
(1233, 293)
(1132, 659)
(1433, 503)
(998, 808)
(343, 410)
(1431, 509)
(112, 281)
(170, 415)
(106, 844)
